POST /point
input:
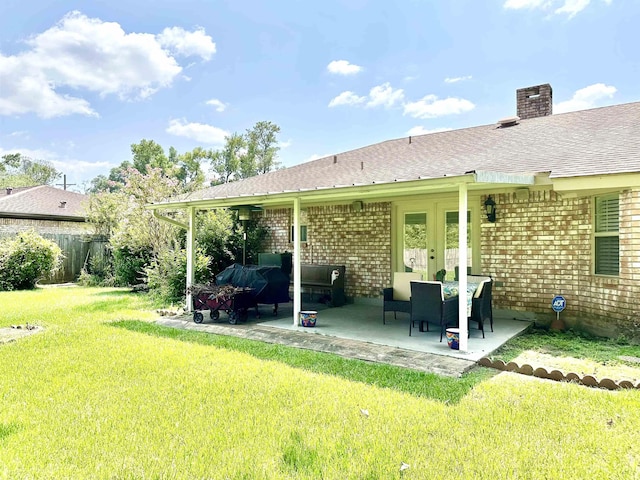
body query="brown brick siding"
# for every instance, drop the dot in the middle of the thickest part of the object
(339, 235)
(538, 247)
(11, 226)
(542, 246)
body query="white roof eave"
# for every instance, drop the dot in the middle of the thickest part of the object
(360, 192)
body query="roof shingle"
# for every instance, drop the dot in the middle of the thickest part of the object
(589, 142)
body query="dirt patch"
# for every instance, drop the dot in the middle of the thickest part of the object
(9, 334)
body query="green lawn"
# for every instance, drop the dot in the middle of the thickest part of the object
(102, 394)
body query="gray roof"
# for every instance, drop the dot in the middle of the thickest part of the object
(589, 142)
(42, 201)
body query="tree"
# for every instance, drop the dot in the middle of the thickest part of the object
(226, 162)
(188, 166)
(17, 170)
(148, 154)
(262, 150)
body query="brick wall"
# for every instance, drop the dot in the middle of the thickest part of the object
(538, 247)
(542, 246)
(11, 226)
(339, 235)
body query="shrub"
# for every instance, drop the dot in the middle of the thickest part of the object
(25, 259)
(167, 274)
(129, 266)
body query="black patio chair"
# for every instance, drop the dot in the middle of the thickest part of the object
(481, 309)
(396, 299)
(428, 305)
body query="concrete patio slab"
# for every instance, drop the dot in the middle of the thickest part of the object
(356, 331)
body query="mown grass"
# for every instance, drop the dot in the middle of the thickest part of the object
(573, 350)
(445, 389)
(84, 399)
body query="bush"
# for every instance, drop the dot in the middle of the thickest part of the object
(129, 266)
(25, 259)
(167, 275)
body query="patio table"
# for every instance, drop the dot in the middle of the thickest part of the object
(450, 289)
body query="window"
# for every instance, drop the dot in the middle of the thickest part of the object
(303, 234)
(607, 235)
(451, 250)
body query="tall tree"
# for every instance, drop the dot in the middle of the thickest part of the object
(262, 150)
(17, 170)
(188, 166)
(148, 154)
(226, 162)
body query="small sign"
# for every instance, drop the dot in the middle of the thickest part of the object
(558, 303)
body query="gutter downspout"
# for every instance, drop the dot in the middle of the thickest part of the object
(162, 218)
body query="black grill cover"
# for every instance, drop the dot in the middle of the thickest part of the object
(268, 284)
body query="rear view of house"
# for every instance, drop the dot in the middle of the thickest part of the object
(552, 208)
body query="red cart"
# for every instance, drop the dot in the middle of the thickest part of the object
(232, 300)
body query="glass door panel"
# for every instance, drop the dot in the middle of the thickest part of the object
(451, 251)
(415, 243)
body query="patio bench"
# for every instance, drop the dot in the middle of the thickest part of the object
(328, 279)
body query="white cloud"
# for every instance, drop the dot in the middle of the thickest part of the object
(559, 7)
(587, 97)
(187, 44)
(343, 67)
(457, 79)
(573, 7)
(431, 107)
(420, 130)
(286, 144)
(220, 106)
(25, 89)
(379, 96)
(385, 95)
(197, 131)
(83, 53)
(346, 98)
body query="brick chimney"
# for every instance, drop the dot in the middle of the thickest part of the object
(534, 101)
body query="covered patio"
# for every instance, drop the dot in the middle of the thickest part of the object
(362, 321)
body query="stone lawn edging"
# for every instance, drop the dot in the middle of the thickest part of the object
(557, 375)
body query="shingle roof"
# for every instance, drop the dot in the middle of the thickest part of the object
(42, 201)
(589, 142)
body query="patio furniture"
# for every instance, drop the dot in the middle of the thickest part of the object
(396, 299)
(481, 309)
(428, 305)
(456, 270)
(328, 279)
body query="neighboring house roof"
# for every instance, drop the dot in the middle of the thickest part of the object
(42, 202)
(599, 141)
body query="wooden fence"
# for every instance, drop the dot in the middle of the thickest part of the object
(77, 251)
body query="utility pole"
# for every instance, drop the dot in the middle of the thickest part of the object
(64, 183)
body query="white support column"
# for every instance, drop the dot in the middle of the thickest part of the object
(191, 240)
(297, 275)
(462, 262)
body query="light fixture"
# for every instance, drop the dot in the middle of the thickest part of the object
(244, 215)
(490, 208)
(244, 211)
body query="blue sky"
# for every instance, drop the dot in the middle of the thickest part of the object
(80, 81)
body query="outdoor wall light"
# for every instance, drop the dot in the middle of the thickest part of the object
(490, 208)
(244, 211)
